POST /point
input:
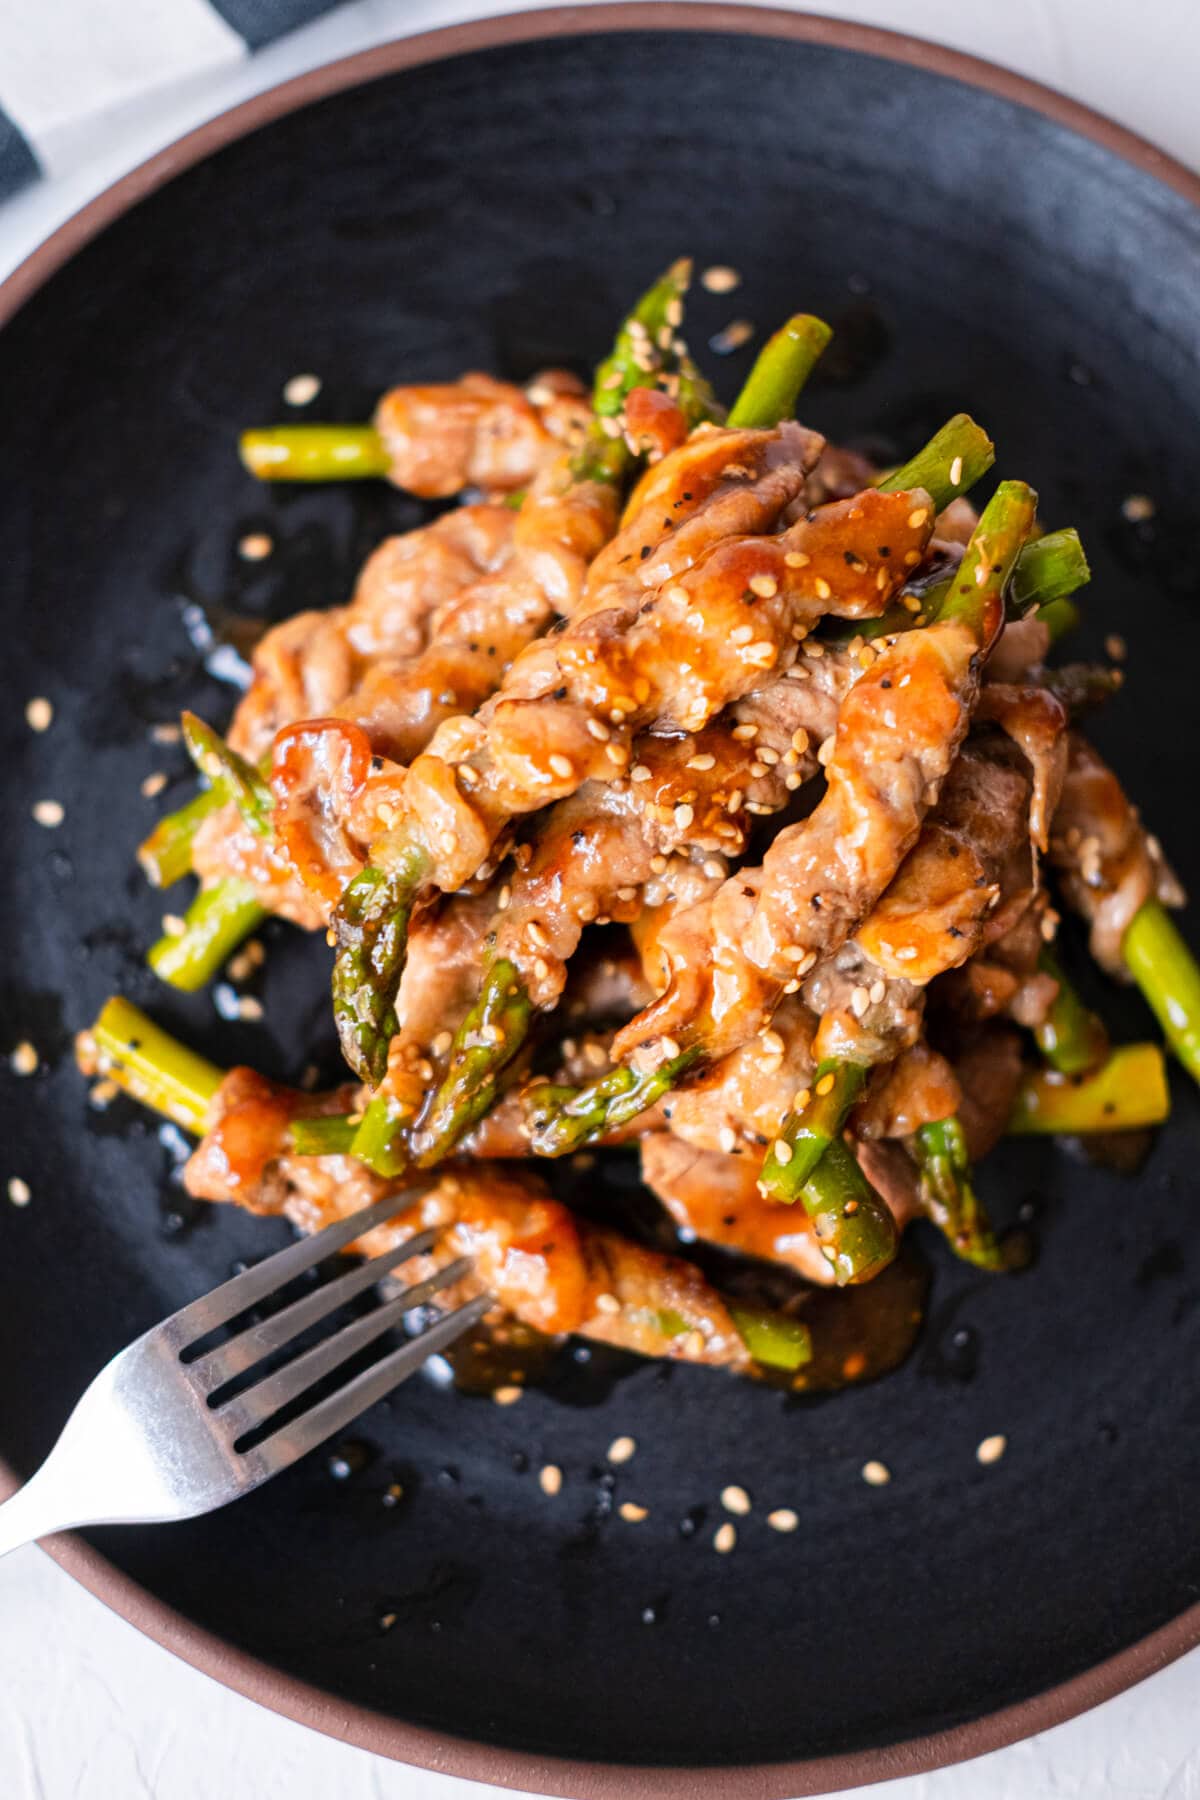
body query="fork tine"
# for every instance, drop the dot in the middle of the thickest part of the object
(257, 1404)
(250, 1346)
(246, 1290)
(334, 1413)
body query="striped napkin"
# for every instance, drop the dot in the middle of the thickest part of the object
(63, 62)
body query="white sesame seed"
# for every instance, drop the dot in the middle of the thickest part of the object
(599, 730)
(669, 1048)
(256, 546)
(639, 772)
(249, 1008)
(617, 754)
(621, 1449)
(24, 1059)
(684, 815)
(991, 1449)
(725, 1538)
(727, 1139)
(860, 1000)
(783, 1519)
(1115, 646)
(154, 784)
(562, 766)
(607, 1303)
(876, 1474)
(49, 813)
(506, 1396)
(822, 588)
(782, 1151)
(713, 869)
(735, 1500)
(632, 1512)
(731, 337)
(741, 634)
(878, 992)
(301, 390)
(703, 762)
(765, 586)
(39, 713)
(18, 1191)
(1137, 508)
(550, 1479)
(762, 652)
(956, 468)
(720, 279)
(442, 1043)
(166, 733)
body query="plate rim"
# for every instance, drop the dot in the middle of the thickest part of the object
(566, 1777)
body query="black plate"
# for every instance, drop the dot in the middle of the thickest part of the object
(497, 210)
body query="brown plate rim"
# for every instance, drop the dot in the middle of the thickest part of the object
(245, 1674)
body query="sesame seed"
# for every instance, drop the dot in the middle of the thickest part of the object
(1137, 508)
(632, 1512)
(24, 1059)
(991, 1449)
(782, 1151)
(607, 1303)
(765, 586)
(683, 816)
(621, 1449)
(611, 427)
(860, 1000)
(822, 588)
(815, 649)
(763, 652)
(442, 1043)
(757, 770)
(639, 772)
(745, 734)
(825, 1085)
(658, 863)
(741, 634)
(725, 1538)
(249, 1008)
(727, 1139)
(39, 713)
(772, 1043)
(798, 673)
(301, 390)
(731, 337)
(702, 762)
(669, 1048)
(792, 782)
(506, 1396)
(713, 869)
(759, 808)
(1114, 646)
(154, 784)
(550, 1479)
(956, 468)
(256, 546)
(673, 313)
(447, 843)
(627, 893)
(800, 1099)
(878, 991)
(103, 1094)
(174, 926)
(735, 1500)
(720, 279)
(783, 1519)
(504, 898)
(797, 559)
(825, 753)
(800, 739)
(165, 733)
(597, 729)
(917, 517)
(562, 766)
(537, 935)
(876, 1474)
(617, 754)
(49, 813)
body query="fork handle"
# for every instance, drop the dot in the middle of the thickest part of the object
(34, 1511)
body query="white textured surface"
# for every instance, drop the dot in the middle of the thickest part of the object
(88, 1709)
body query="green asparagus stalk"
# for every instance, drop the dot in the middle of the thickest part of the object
(811, 1129)
(166, 855)
(484, 1045)
(564, 1119)
(127, 1047)
(231, 777)
(1071, 1038)
(781, 369)
(855, 1231)
(951, 462)
(313, 452)
(1166, 971)
(948, 1194)
(773, 1339)
(1127, 1092)
(371, 924)
(1046, 570)
(219, 919)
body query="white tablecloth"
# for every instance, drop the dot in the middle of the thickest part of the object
(88, 1709)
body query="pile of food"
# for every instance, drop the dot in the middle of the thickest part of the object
(693, 789)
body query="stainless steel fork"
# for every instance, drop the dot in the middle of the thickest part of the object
(152, 1438)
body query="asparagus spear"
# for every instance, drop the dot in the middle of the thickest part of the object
(1046, 570)
(780, 370)
(1071, 1038)
(951, 462)
(1126, 1092)
(166, 855)
(808, 1134)
(218, 920)
(313, 452)
(563, 1119)
(150, 1065)
(948, 1194)
(231, 777)
(1166, 971)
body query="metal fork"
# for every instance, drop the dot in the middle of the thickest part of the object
(152, 1439)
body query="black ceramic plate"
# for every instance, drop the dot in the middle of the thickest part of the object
(496, 209)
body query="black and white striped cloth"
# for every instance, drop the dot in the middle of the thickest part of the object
(65, 61)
